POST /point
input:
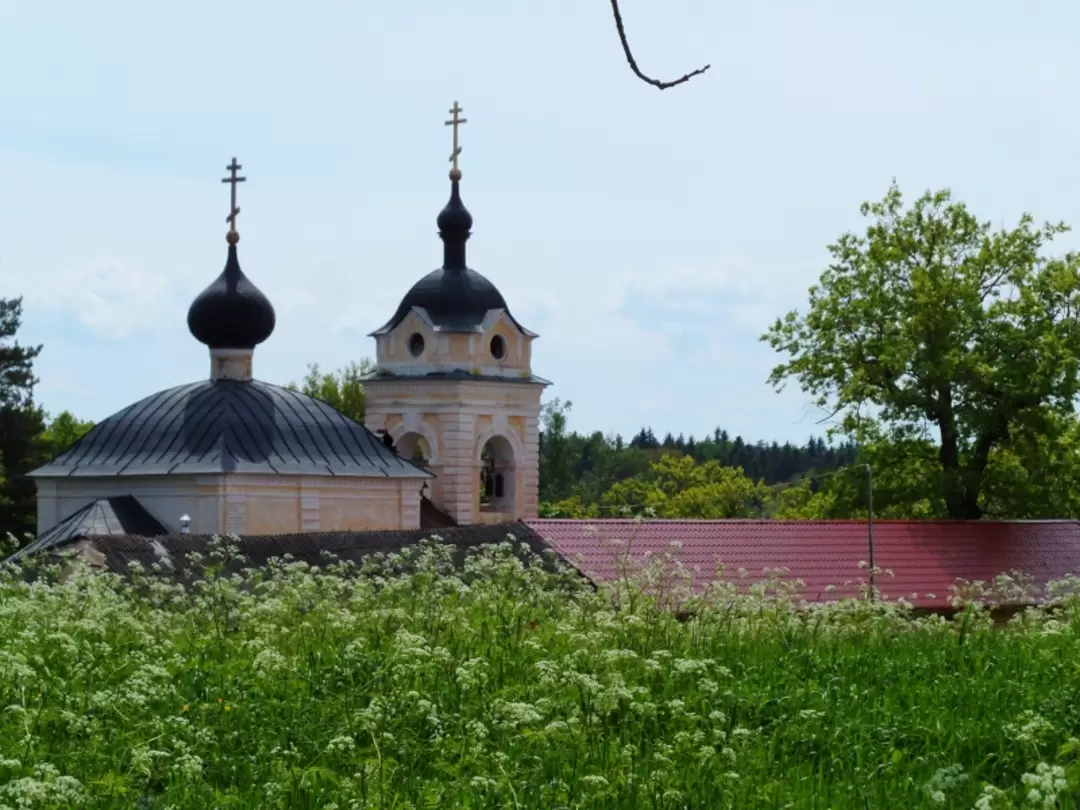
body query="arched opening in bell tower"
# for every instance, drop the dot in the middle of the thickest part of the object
(497, 476)
(414, 447)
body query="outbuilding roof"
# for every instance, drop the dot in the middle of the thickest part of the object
(121, 514)
(922, 561)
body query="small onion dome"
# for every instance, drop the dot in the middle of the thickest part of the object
(232, 313)
(454, 223)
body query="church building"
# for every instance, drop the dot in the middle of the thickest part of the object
(450, 447)
(451, 434)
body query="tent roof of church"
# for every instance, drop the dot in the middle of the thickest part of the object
(230, 426)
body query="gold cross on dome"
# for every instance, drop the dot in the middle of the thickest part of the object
(455, 122)
(233, 168)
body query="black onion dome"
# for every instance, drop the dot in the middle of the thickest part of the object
(454, 220)
(455, 300)
(232, 313)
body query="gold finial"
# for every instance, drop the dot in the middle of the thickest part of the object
(455, 122)
(233, 237)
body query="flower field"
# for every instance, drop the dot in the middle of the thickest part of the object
(504, 683)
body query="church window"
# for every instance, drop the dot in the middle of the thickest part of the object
(416, 344)
(498, 347)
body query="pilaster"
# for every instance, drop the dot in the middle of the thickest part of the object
(309, 507)
(235, 512)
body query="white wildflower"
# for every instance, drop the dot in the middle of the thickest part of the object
(1044, 785)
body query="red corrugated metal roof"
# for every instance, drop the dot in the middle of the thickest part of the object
(926, 558)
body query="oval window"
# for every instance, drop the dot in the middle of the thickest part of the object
(498, 347)
(416, 344)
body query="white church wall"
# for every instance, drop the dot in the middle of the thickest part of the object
(166, 498)
(269, 504)
(246, 504)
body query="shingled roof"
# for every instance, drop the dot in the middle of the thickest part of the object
(926, 558)
(170, 553)
(230, 426)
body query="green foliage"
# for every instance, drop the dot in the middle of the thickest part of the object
(677, 487)
(1037, 475)
(343, 389)
(933, 319)
(61, 433)
(578, 472)
(572, 507)
(557, 457)
(16, 361)
(31, 441)
(20, 423)
(502, 685)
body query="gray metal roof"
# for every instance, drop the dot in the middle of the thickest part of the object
(229, 426)
(119, 515)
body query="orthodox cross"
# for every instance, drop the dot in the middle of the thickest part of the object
(233, 168)
(455, 122)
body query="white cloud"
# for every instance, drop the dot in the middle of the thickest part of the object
(682, 284)
(109, 296)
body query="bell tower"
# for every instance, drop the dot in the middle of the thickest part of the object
(453, 386)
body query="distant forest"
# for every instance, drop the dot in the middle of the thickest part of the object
(586, 467)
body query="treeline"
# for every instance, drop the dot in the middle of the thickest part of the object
(28, 437)
(585, 467)
(770, 462)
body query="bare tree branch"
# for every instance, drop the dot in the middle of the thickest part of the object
(633, 62)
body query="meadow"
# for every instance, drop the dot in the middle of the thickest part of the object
(508, 682)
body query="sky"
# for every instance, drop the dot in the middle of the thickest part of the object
(650, 237)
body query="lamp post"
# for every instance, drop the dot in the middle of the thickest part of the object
(870, 527)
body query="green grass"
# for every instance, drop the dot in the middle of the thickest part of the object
(503, 685)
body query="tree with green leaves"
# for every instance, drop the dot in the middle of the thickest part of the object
(677, 487)
(344, 388)
(20, 423)
(935, 333)
(62, 432)
(556, 456)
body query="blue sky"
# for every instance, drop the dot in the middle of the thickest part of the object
(649, 237)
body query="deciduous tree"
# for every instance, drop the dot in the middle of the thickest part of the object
(677, 487)
(944, 331)
(344, 388)
(62, 432)
(556, 456)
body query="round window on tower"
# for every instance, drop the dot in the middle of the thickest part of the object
(498, 347)
(416, 344)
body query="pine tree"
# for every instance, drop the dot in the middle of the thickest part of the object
(21, 422)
